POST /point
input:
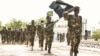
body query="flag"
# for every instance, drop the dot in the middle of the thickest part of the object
(56, 6)
(50, 13)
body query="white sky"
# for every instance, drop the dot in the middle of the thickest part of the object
(27, 10)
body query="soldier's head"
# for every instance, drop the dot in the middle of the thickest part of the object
(9, 28)
(4, 27)
(76, 10)
(42, 21)
(48, 19)
(32, 22)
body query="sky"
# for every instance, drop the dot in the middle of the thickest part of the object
(28, 10)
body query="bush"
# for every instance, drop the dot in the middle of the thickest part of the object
(96, 35)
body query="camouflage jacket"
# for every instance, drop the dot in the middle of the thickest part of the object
(32, 29)
(49, 27)
(74, 23)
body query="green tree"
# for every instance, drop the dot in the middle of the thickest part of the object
(0, 24)
(37, 22)
(96, 35)
(16, 24)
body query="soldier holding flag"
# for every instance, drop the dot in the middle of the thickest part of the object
(49, 33)
(74, 30)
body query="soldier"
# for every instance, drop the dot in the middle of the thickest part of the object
(32, 33)
(40, 31)
(13, 37)
(4, 35)
(75, 29)
(27, 35)
(49, 34)
(21, 36)
(9, 36)
(16, 38)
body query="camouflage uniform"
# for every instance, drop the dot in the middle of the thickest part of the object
(27, 36)
(21, 36)
(32, 33)
(41, 30)
(49, 36)
(74, 31)
(9, 35)
(4, 35)
(16, 36)
(13, 37)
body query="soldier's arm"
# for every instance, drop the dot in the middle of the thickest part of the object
(66, 13)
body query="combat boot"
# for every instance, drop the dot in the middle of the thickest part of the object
(46, 48)
(49, 51)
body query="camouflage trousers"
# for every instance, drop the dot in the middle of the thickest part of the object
(27, 39)
(32, 36)
(75, 40)
(41, 40)
(49, 40)
(9, 38)
(4, 38)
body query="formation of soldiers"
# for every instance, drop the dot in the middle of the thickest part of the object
(9, 36)
(19, 36)
(27, 35)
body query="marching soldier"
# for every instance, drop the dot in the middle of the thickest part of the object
(4, 35)
(75, 29)
(32, 33)
(15, 37)
(40, 31)
(27, 35)
(9, 36)
(49, 34)
(21, 36)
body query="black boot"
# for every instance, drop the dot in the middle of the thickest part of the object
(45, 47)
(49, 49)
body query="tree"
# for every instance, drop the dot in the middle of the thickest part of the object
(39, 20)
(0, 24)
(96, 35)
(16, 24)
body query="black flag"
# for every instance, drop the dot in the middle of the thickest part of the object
(56, 6)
